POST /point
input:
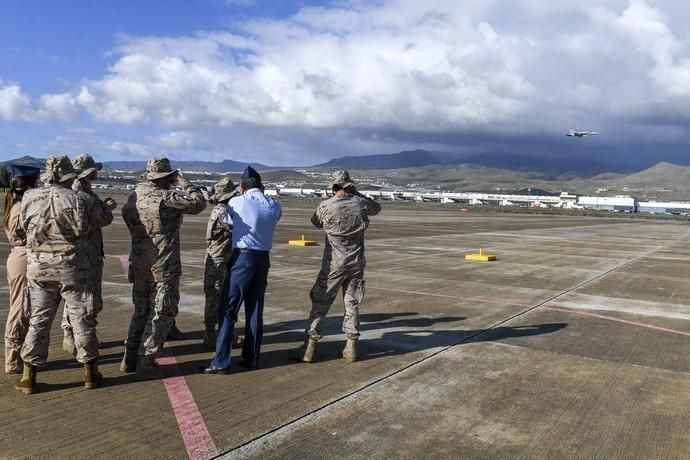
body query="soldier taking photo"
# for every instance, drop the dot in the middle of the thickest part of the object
(153, 215)
(344, 218)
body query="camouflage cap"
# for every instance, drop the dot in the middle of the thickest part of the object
(59, 169)
(158, 168)
(86, 165)
(224, 189)
(341, 179)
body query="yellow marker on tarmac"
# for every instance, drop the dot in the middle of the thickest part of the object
(480, 256)
(302, 242)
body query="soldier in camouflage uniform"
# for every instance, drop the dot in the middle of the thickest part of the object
(58, 223)
(153, 214)
(88, 172)
(218, 255)
(344, 218)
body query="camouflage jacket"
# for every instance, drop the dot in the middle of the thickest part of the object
(58, 222)
(96, 238)
(153, 216)
(344, 219)
(219, 235)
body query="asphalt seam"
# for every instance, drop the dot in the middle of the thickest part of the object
(273, 436)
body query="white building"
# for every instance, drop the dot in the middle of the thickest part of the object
(664, 207)
(619, 203)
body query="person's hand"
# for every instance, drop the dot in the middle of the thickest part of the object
(182, 180)
(112, 204)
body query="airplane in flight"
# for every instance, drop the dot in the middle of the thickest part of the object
(573, 133)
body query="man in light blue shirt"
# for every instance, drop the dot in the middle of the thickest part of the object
(254, 217)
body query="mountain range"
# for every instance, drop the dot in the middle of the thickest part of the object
(496, 172)
(404, 159)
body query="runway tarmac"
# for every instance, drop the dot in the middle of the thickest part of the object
(574, 344)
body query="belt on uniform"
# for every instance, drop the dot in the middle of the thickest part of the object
(253, 251)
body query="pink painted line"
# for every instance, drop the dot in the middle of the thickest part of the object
(124, 261)
(195, 436)
(618, 320)
(197, 440)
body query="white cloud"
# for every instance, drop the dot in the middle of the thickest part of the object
(17, 106)
(396, 66)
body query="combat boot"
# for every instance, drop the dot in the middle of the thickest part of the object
(27, 384)
(92, 378)
(148, 369)
(129, 361)
(350, 350)
(210, 337)
(68, 344)
(305, 352)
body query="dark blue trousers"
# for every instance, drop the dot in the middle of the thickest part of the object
(246, 282)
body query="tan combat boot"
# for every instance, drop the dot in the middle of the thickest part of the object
(27, 384)
(68, 344)
(129, 361)
(92, 378)
(148, 369)
(305, 352)
(350, 350)
(210, 337)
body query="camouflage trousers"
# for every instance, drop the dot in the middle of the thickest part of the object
(155, 308)
(45, 297)
(18, 316)
(214, 277)
(96, 288)
(324, 292)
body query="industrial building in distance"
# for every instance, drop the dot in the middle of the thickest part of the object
(565, 200)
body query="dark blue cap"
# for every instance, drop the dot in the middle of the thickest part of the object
(24, 171)
(251, 172)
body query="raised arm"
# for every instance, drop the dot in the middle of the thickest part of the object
(372, 207)
(100, 213)
(191, 201)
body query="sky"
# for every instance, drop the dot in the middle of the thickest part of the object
(286, 82)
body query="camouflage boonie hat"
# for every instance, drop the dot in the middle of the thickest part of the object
(86, 165)
(59, 169)
(157, 168)
(224, 189)
(341, 179)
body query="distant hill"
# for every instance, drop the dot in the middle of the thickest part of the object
(405, 159)
(210, 166)
(275, 175)
(496, 160)
(534, 163)
(662, 174)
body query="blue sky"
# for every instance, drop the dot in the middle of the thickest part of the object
(47, 45)
(297, 83)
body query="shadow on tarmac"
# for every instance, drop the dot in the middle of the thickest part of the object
(416, 336)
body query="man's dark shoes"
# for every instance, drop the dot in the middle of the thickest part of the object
(211, 369)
